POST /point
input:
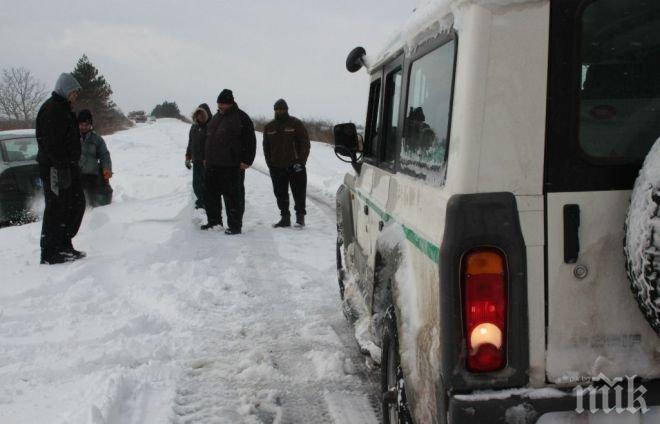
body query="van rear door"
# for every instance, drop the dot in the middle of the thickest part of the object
(603, 117)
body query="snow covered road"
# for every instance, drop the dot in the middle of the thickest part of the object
(166, 323)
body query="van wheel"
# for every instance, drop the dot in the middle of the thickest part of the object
(642, 243)
(395, 405)
(340, 270)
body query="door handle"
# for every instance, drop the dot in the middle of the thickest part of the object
(571, 233)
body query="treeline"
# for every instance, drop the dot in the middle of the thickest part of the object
(168, 110)
(21, 95)
(318, 129)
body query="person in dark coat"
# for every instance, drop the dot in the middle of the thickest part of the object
(195, 151)
(95, 162)
(229, 151)
(286, 148)
(58, 156)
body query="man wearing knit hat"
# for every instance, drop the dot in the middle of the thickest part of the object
(229, 151)
(286, 148)
(95, 162)
(59, 153)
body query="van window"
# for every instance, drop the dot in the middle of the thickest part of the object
(373, 120)
(603, 93)
(391, 116)
(424, 146)
(619, 111)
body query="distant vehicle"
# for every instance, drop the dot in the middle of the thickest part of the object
(19, 178)
(480, 238)
(138, 116)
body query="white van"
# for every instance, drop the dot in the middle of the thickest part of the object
(480, 248)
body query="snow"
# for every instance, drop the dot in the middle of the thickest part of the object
(430, 19)
(485, 395)
(165, 323)
(642, 237)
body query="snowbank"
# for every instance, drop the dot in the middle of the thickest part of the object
(165, 323)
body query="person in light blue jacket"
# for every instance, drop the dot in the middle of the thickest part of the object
(95, 162)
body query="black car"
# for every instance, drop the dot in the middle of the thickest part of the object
(20, 184)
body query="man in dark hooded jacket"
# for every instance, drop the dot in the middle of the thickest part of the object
(229, 151)
(59, 153)
(286, 148)
(195, 151)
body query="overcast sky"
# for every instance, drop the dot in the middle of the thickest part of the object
(187, 52)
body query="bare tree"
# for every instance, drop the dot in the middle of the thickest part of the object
(20, 94)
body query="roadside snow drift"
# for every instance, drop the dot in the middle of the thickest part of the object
(165, 323)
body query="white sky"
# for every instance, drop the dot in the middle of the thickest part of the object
(187, 52)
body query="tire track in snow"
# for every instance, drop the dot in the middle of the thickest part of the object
(286, 363)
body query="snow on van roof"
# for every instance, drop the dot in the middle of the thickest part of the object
(430, 19)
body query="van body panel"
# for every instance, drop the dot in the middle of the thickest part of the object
(595, 325)
(513, 128)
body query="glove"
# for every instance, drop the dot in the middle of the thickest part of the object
(107, 174)
(188, 164)
(298, 167)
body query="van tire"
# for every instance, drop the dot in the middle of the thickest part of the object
(641, 244)
(395, 405)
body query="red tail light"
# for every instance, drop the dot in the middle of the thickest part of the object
(485, 310)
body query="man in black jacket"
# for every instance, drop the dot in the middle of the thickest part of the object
(229, 151)
(195, 151)
(59, 153)
(286, 149)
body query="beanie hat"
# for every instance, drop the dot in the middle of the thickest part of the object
(281, 104)
(226, 96)
(85, 115)
(65, 84)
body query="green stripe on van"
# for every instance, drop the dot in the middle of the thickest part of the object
(426, 247)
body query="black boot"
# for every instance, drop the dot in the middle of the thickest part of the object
(70, 253)
(285, 221)
(300, 220)
(209, 226)
(232, 231)
(73, 254)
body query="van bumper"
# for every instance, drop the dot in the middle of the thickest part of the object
(527, 407)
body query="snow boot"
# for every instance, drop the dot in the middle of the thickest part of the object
(232, 231)
(73, 254)
(285, 221)
(57, 258)
(70, 253)
(209, 226)
(300, 220)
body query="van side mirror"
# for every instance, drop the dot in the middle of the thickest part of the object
(349, 145)
(355, 59)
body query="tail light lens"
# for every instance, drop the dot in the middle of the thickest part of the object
(485, 310)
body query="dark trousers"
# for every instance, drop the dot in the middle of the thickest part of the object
(90, 185)
(63, 213)
(241, 193)
(225, 182)
(198, 183)
(283, 178)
